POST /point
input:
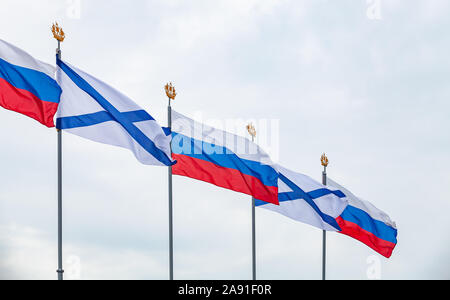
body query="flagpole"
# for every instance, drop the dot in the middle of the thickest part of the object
(254, 238)
(324, 161)
(171, 94)
(252, 131)
(60, 270)
(59, 35)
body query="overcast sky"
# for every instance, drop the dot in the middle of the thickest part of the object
(367, 84)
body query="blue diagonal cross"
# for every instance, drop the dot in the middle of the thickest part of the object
(298, 194)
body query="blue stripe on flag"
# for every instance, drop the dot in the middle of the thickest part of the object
(366, 222)
(224, 157)
(127, 124)
(167, 130)
(324, 192)
(99, 117)
(38, 83)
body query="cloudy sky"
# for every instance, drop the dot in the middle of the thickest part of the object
(364, 81)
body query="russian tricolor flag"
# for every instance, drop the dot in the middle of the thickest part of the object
(27, 86)
(364, 222)
(223, 159)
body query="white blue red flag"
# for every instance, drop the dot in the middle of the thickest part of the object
(27, 85)
(305, 200)
(92, 109)
(364, 222)
(223, 159)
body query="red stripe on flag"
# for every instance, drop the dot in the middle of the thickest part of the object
(224, 177)
(351, 229)
(27, 103)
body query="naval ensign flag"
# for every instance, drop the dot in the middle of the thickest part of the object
(91, 109)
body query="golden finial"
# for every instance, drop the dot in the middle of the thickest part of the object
(251, 130)
(170, 91)
(324, 160)
(58, 33)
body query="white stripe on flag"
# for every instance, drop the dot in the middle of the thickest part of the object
(18, 57)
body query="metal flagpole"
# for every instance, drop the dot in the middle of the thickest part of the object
(252, 131)
(171, 94)
(324, 161)
(59, 35)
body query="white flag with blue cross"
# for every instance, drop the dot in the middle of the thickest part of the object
(92, 109)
